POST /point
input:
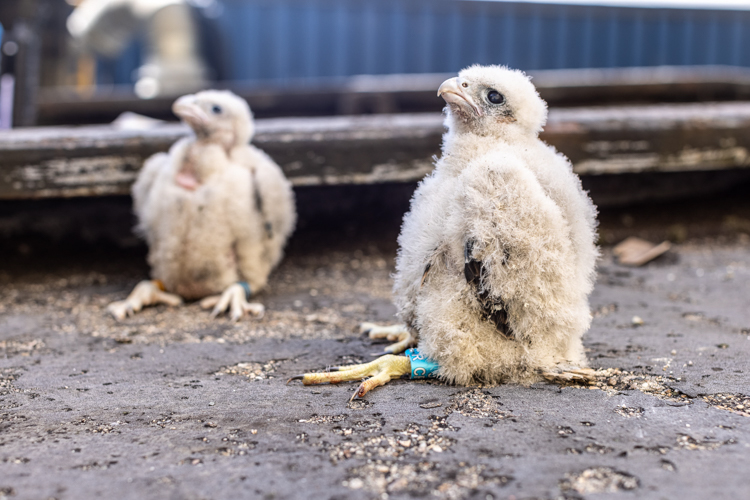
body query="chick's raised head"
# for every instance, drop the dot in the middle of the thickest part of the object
(490, 100)
(219, 116)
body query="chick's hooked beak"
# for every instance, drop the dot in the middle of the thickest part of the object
(188, 110)
(452, 92)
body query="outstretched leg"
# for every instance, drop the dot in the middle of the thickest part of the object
(379, 371)
(234, 298)
(145, 293)
(392, 332)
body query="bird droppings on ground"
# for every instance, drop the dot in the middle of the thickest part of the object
(387, 477)
(366, 426)
(7, 377)
(414, 440)
(251, 370)
(96, 427)
(359, 404)
(614, 380)
(172, 390)
(349, 359)
(603, 311)
(20, 348)
(385, 471)
(323, 419)
(599, 480)
(687, 442)
(629, 411)
(736, 403)
(422, 479)
(591, 448)
(475, 404)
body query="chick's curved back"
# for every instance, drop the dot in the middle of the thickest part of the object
(497, 253)
(214, 210)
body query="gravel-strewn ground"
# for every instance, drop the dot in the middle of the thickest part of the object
(171, 404)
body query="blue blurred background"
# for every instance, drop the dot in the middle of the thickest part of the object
(87, 61)
(278, 40)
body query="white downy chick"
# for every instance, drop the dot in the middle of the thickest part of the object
(508, 235)
(497, 253)
(215, 211)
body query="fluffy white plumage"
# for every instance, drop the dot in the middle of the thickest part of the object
(497, 253)
(214, 210)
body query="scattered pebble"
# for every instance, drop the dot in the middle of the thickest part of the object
(599, 480)
(736, 403)
(687, 442)
(424, 478)
(613, 380)
(475, 404)
(323, 419)
(251, 370)
(629, 412)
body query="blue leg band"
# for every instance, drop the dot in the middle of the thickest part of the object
(248, 291)
(421, 366)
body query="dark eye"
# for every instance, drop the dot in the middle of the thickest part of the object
(495, 97)
(216, 109)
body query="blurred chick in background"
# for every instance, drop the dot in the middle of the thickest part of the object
(215, 211)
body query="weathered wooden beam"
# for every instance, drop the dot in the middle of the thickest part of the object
(102, 160)
(412, 93)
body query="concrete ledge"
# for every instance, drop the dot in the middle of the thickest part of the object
(103, 160)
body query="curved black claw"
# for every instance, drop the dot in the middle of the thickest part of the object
(359, 394)
(296, 377)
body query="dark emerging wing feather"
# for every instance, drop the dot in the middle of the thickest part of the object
(493, 308)
(259, 205)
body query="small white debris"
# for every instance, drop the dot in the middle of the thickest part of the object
(636, 321)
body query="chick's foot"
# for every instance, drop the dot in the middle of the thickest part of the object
(379, 371)
(145, 293)
(233, 299)
(392, 333)
(573, 376)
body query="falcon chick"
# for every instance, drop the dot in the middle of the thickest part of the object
(215, 212)
(497, 253)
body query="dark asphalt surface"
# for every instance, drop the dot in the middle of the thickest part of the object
(172, 405)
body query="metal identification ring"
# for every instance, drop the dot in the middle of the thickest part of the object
(421, 366)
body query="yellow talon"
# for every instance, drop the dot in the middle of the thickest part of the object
(379, 371)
